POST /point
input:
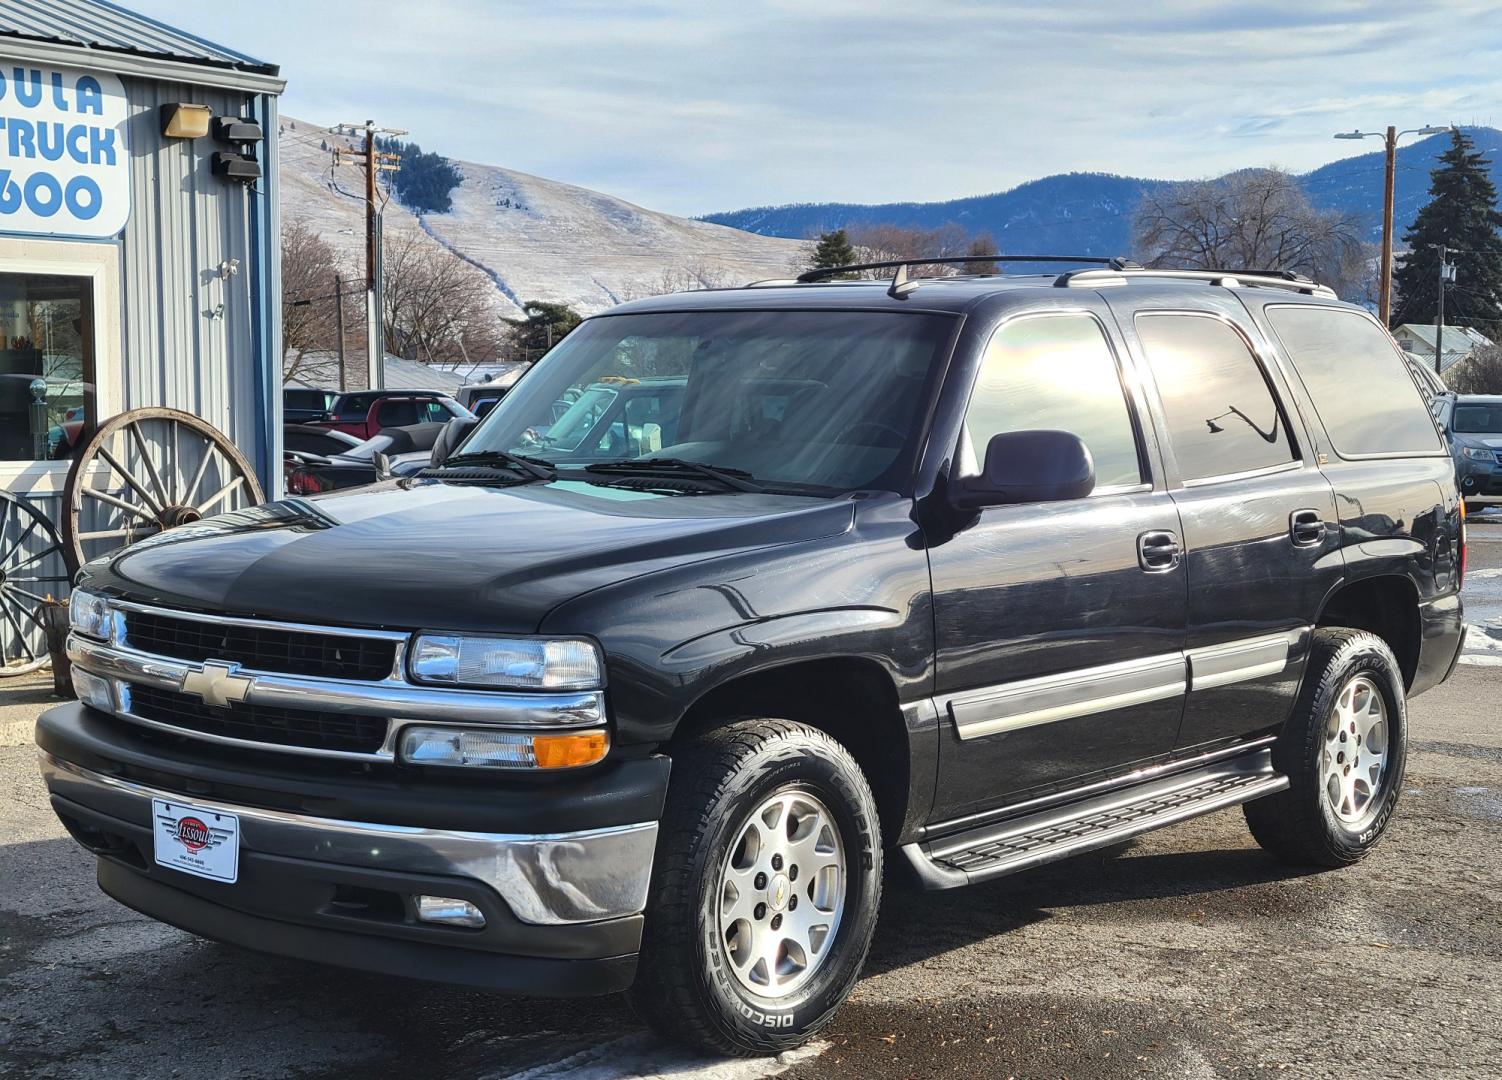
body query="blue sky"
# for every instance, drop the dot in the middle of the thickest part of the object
(700, 106)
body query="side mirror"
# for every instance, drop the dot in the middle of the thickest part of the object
(1030, 466)
(453, 433)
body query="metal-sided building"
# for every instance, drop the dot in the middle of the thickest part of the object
(177, 263)
(139, 254)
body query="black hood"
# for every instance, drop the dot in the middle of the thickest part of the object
(432, 555)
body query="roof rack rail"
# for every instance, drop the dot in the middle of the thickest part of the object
(1274, 279)
(825, 272)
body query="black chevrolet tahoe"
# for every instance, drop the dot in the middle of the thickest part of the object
(957, 576)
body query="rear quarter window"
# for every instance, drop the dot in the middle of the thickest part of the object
(1356, 377)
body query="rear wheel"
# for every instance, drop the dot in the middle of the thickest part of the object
(1343, 750)
(764, 891)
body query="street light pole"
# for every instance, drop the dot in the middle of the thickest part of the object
(1391, 137)
(1384, 298)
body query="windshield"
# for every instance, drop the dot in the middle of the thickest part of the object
(826, 399)
(1477, 419)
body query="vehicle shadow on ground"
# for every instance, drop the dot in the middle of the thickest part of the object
(918, 925)
(82, 976)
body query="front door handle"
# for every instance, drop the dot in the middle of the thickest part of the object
(1158, 551)
(1306, 527)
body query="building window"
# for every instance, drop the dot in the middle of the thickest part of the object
(46, 366)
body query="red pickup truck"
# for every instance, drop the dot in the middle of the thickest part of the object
(364, 413)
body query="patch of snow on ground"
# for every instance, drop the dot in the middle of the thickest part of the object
(642, 1057)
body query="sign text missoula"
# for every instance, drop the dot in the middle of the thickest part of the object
(64, 167)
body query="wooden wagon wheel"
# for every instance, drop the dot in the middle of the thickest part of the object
(31, 573)
(146, 471)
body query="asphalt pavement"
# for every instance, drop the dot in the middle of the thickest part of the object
(1189, 953)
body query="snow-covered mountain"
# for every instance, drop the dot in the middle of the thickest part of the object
(535, 239)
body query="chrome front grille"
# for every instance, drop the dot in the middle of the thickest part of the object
(260, 647)
(267, 724)
(326, 691)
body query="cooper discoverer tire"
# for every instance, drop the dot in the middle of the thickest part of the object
(764, 892)
(1343, 750)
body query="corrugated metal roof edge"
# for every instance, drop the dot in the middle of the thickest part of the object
(140, 64)
(242, 61)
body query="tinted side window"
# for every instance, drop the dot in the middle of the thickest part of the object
(354, 410)
(1222, 417)
(398, 413)
(1357, 379)
(1056, 371)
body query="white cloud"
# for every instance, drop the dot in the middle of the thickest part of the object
(709, 105)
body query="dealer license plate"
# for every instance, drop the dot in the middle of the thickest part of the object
(196, 841)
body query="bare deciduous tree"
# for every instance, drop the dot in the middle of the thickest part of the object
(437, 307)
(309, 272)
(1479, 373)
(1258, 219)
(686, 278)
(887, 243)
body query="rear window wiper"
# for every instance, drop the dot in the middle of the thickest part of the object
(734, 479)
(535, 468)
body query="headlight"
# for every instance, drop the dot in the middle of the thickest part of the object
(478, 747)
(89, 614)
(512, 663)
(1479, 453)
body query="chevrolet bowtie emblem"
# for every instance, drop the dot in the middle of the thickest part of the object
(217, 684)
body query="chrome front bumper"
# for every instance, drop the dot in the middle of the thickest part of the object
(545, 879)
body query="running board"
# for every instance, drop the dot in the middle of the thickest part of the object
(1034, 839)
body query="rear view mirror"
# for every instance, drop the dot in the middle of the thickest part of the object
(453, 433)
(1030, 466)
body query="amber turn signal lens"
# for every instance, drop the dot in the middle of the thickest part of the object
(569, 751)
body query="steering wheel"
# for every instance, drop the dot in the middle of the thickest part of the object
(897, 434)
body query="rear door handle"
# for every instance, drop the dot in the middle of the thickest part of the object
(1306, 527)
(1158, 551)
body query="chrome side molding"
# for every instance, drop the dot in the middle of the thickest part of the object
(1029, 702)
(1044, 700)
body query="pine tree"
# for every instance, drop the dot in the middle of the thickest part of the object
(834, 249)
(981, 245)
(1462, 215)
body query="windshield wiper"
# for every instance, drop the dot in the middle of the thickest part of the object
(734, 479)
(536, 468)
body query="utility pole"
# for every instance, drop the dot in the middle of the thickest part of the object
(1446, 275)
(339, 327)
(1384, 298)
(374, 161)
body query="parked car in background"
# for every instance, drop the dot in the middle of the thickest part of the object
(480, 397)
(396, 451)
(311, 439)
(1472, 424)
(300, 404)
(364, 413)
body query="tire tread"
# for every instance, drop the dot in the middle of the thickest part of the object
(666, 995)
(1290, 824)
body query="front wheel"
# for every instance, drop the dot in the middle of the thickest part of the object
(764, 891)
(1343, 750)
